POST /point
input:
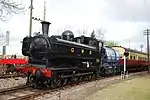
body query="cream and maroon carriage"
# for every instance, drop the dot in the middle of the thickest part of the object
(136, 60)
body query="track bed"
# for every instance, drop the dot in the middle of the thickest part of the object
(73, 91)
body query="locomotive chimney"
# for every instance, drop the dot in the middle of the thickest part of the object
(45, 27)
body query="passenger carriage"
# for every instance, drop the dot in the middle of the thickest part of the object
(135, 60)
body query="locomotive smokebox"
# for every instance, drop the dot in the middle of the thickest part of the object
(45, 27)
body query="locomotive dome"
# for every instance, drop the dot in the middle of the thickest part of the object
(68, 35)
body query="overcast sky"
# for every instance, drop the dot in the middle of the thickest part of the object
(120, 20)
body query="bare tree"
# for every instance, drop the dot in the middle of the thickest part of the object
(99, 33)
(80, 32)
(141, 46)
(93, 34)
(9, 7)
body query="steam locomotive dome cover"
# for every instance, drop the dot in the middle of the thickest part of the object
(39, 47)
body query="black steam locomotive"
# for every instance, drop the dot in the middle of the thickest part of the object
(58, 60)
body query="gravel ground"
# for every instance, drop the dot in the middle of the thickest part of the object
(78, 92)
(128, 90)
(11, 82)
(82, 91)
(2, 69)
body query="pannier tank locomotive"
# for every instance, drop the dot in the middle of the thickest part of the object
(60, 60)
(63, 59)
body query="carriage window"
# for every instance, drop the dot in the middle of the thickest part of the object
(130, 57)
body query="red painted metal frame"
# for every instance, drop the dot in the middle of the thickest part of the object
(26, 69)
(13, 61)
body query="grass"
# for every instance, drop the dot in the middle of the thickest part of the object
(135, 89)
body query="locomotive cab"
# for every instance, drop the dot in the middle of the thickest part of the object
(88, 41)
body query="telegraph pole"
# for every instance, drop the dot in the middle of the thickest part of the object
(147, 33)
(31, 13)
(141, 46)
(44, 16)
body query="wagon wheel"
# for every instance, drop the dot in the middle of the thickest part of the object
(31, 81)
(103, 71)
(10, 68)
(54, 83)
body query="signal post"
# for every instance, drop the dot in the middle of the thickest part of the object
(124, 73)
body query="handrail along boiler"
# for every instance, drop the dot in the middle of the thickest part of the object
(58, 60)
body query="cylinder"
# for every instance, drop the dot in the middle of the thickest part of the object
(45, 27)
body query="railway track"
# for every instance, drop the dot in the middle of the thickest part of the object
(12, 89)
(26, 93)
(10, 76)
